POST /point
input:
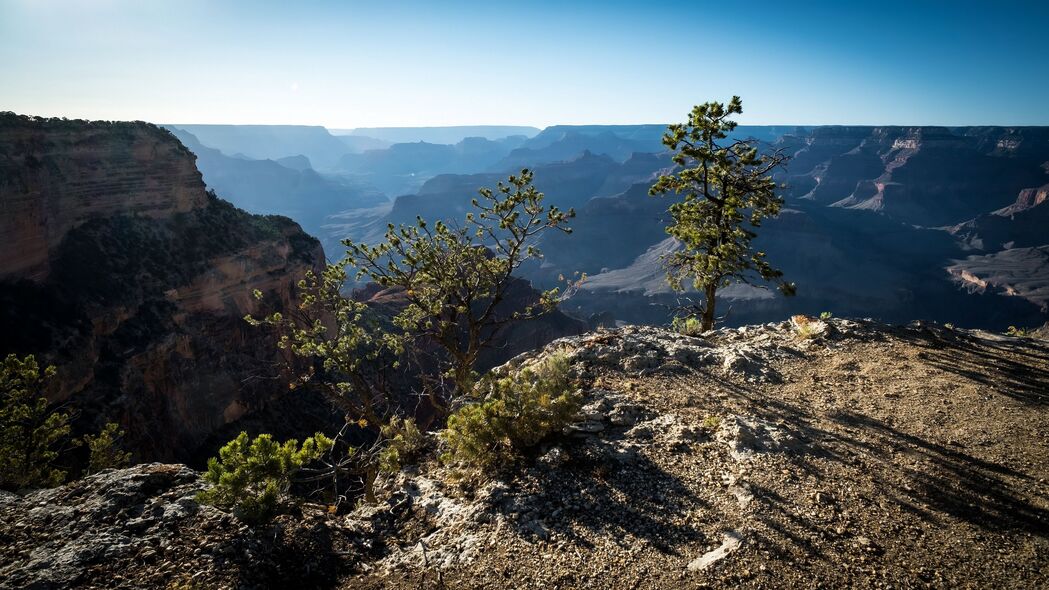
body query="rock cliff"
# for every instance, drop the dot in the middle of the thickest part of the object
(1021, 224)
(58, 174)
(922, 175)
(120, 269)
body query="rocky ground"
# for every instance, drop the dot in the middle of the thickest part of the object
(826, 454)
(142, 528)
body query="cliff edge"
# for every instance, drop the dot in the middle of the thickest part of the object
(842, 454)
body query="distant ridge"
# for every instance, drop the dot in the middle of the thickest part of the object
(449, 135)
(270, 142)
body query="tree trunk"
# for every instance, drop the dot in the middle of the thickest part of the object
(708, 307)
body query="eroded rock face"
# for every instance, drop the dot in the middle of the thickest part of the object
(125, 274)
(109, 516)
(645, 350)
(923, 175)
(1019, 225)
(59, 174)
(1017, 272)
(852, 194)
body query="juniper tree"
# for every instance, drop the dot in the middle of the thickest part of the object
(453, 281)
(726, 190)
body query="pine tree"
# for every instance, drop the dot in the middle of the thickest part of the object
(726, 190)
(103, 450)
(252, 475)
(31, 432)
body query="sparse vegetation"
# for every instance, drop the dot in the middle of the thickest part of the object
(35, 437)
(104, 452)
(1018, 332)
(826, 315)
(805, 327)
(453, 281)
(711, 423)
(724, 189)
(688, 325)
(516, 412)
(32, 433)
(252, 476)
(404, 441)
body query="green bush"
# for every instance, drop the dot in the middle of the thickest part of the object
(253, 476)
(806, 327)
(711, 423)
(689, 325)
(403, 442)
(104, 452)
(518, 412)
(31, 433)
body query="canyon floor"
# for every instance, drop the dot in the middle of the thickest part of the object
(860, 455)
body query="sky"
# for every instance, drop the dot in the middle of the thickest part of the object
(346, 64)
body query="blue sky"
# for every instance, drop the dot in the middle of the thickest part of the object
(391, 63)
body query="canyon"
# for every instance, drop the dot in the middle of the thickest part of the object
(124, 271)
(692, 460)
(878, 222)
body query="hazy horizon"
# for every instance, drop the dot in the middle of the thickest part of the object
(346, 65)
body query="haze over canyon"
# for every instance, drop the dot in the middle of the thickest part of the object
(548, 294)
(894, 223)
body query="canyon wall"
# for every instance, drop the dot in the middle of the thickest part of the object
(55, 175)
(120, 269)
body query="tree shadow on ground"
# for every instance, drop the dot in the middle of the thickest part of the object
(995, 363)
(604, 488)
(932, 481)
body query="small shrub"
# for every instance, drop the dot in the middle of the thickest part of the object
(104, 452)
(805, 327)
(688, 325)
(1018, 332)
(711, 423)
(518, 412)
(253, 476)
(31, 432)
(404, 440)
(826, 315)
